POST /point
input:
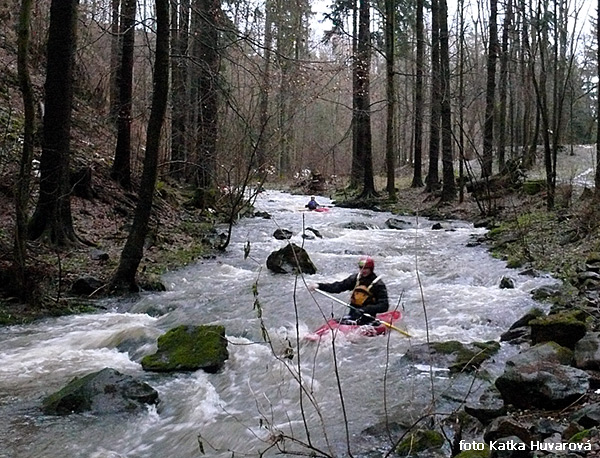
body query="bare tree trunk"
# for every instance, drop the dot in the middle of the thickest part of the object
(206, 54)
(526, 120)
(490, 93)
(115, 59)
(461, 98)
(24, 183)
(121, 169)
(364, 139)
(449, 184)
(52, 216)
(261, 149)
(283, 98)
(390, 144)
(134, 247)
(284, 117)
(503, 89)
(597, 176)
(541, 91)
(433, 180)
(558, 84)
(179, 95)
(356, 173)
(562, 75)
(417, 180)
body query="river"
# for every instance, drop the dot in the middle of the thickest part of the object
(446, 286)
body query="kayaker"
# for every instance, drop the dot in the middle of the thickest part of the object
(312, 204)
(369, 293)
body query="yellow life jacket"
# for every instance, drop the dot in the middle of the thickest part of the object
(362, 293)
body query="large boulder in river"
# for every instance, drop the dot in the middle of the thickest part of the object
(189, 348)
(290, 259)
(395, 223)
(565, 328)
(106, 391)
(282, 234)
(531, 315)
(456, 356)
(520, 331)
(539, 377)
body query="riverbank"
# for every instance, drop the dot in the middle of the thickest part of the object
(179, 235)
(564, 242)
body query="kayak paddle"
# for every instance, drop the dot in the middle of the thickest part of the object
(385, 323)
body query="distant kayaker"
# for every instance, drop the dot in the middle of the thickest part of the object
(369, 294)
(312, 204)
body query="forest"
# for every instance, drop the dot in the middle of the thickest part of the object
(206, 99)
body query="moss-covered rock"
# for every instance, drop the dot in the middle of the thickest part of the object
(565, 328)
(448, 347)
(419, 441)
(549, 352)
(189, 348)
(467, 357)
(485, 453)
(455, 355)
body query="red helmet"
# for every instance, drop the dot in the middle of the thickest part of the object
(366, 262)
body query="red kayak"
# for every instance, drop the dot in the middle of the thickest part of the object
(317, 210)
(334, 326)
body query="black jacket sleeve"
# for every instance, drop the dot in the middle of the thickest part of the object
(347, 284)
